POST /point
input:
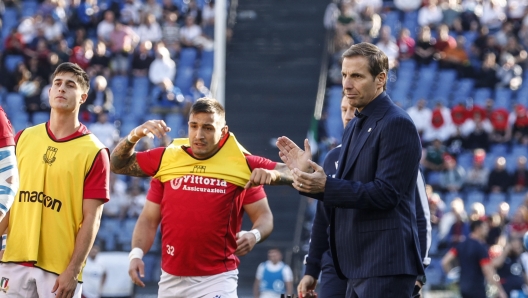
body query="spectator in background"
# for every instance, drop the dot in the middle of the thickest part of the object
(456, 58)
(149, 29)
(122, 42)
(106, 26)
(154, 8)
(509, 74)
(52, 30)
(421, 115)
(136, 197)
(459, 230)
(518, 120)
(434, 156)
(94, 275)
(502, 35)
(273, 277)
(444, 41)
(100, 62)
(163, 67)
(453, 176)
(208, 19)
(450, 12)
(142, 59)
(492, 15)
(430, 14)
(168, 98)
(456, 211)
(100, 98)
(479, 136)
(520, 175)
(169, 7)
(82, 55)
(115, 208)
(388, 45)
(499, 180)
(441, 126)
(477, 211)
(518, 225)
(502, 130)
(514, 48)
(105, 131)
(171, 33)
(486, 77)
(130, 12)
(424, 50)
(190, 32)
(477, 177)
(405, 45)
(192, 10)
(63, 51)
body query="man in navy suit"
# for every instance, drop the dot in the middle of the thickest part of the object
(373, 226)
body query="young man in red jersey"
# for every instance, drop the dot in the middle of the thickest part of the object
(200, 188)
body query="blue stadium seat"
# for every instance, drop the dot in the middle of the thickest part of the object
(207, 59)
(28, 7)
(494, 200)
(410, 21)
(40, 117)
(14, 104)
(474, 197)
(184, 79)
(11, 62)
(516, 200)
(448, 197)
(503, 98)
(499, 149)
(187, 57)
(175, 122)
(481, 95)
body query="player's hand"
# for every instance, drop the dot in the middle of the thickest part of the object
(306, 287)
(261, 176)
(150, 129)
(65, 285)
(310, 183)
(245, 243)
(293, 156)
(136, 269)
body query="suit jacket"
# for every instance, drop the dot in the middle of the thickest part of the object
(373, 230)
(319, 238)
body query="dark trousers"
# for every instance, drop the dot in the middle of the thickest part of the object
(331, 285)
(394, 286)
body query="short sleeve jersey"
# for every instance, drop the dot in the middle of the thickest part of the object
(200, 217)
(471, 255)
(6, 130)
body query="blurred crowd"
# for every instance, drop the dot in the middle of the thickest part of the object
(457, 67)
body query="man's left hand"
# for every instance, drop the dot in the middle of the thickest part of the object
(65, 285)
(245, 243)
(310, 183)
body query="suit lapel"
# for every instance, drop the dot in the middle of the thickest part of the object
(368, 128)
(347, 136)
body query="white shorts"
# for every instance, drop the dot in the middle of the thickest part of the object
(223, 285)
(22, 281)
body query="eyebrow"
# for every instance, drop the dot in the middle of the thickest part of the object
(67, 81)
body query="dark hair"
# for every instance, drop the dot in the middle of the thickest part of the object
(378, 61)
(207, 105)
(82, 77)
(476, 224)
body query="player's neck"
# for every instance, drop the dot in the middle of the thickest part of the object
(63, 125)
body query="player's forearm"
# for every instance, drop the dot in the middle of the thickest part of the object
(144, 234)
(84, 240)
(9, 181)
(123, 159)
(284, 175)
(264, 223)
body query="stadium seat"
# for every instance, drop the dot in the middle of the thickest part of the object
(11, 62)
(184, 78)
(516, 200)
(187, 57)
(474, 197)
(503, 98)
(494, 200)
(481, 95)
(40, 117)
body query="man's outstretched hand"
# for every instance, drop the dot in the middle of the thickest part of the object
(293, 156)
